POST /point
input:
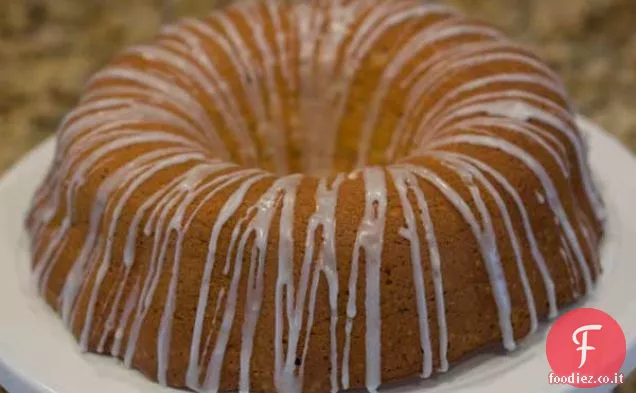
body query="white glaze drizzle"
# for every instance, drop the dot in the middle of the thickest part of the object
(405, 180)
(370, 238)
(235, 65)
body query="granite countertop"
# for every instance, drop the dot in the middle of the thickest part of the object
(49, 47)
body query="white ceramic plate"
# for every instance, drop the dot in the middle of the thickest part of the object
(37, 355)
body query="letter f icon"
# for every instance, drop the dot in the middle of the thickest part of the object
(583, 344)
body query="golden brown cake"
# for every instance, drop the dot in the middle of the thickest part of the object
(315, 197)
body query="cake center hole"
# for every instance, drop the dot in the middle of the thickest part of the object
(323, 128)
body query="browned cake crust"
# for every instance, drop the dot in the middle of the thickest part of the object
(315, 197)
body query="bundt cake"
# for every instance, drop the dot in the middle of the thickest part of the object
(315, 196)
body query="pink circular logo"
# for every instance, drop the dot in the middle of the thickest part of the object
(586, 348)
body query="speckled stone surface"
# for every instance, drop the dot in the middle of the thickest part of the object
(49, 47)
